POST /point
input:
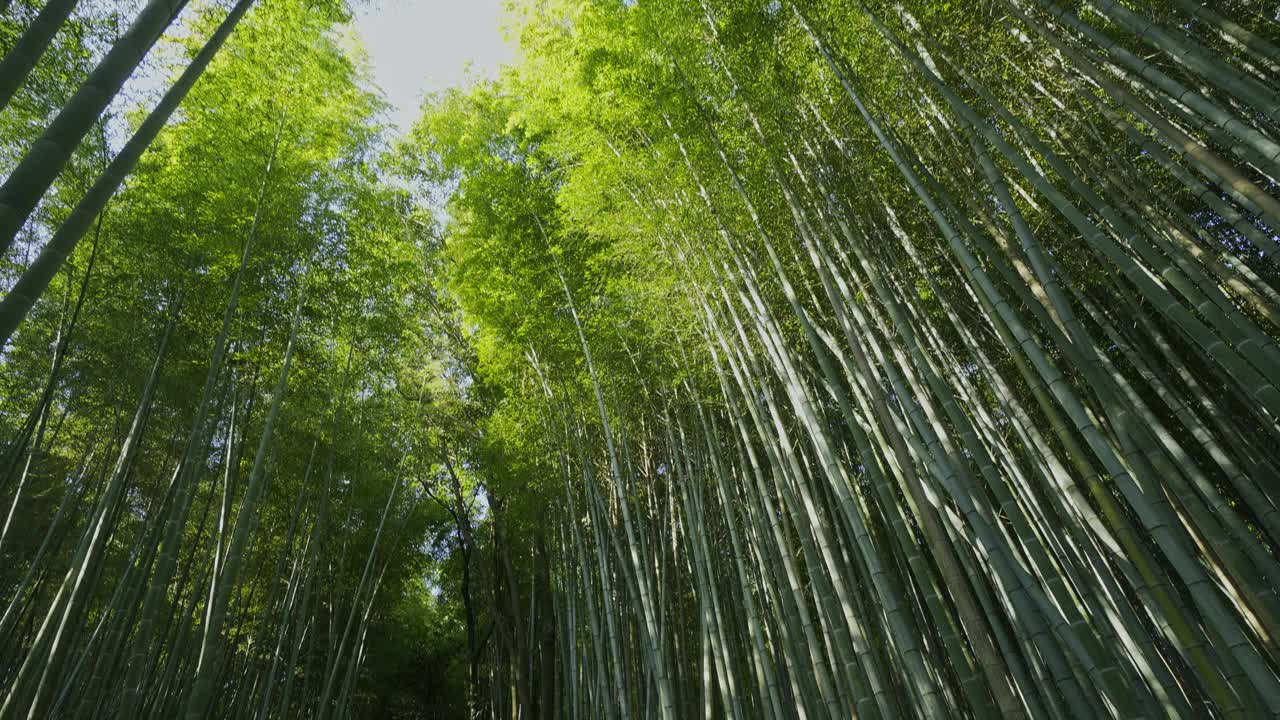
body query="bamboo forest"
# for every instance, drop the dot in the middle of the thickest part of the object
(778, 359)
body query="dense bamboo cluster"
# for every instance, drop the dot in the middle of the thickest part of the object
(194, 524)
(978, 416)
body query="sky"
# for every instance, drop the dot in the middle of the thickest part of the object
(421, 46)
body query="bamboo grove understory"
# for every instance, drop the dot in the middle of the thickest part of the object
(721, 358)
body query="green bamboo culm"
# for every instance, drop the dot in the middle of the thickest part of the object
(41, 164)
(23, 56)
(35, 279)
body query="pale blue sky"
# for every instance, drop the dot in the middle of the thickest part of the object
(421, 46)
